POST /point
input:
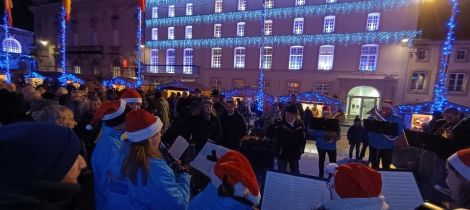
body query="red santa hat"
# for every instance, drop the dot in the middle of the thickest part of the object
(107, 111)
(141, 125)
(131, 96)
(238, 172)
(354, 180)
(388, 104)
(461, 162)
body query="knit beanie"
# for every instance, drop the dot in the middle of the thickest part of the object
(37, 151)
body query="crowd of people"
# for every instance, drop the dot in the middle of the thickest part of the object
(51, 135)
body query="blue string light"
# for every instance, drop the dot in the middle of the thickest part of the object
(314, 97)
(7, 57)
(285, 12)
(440, 92)
(65, 78)
(138, 47)
(247, 92)
(314, 39)
(118, 81)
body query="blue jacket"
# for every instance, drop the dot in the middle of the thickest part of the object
(210, 200)
(163, 190)
(321, 141)
(109, 143)
(378, 141)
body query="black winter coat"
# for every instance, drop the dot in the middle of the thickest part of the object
(357, 135)
(233, 129)
(290, 140)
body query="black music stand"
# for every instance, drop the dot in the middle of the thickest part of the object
(331, 125)
(419, 139)
(382, 127)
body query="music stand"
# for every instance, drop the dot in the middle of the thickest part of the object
(419, 139)
(331, 125)
(382, 127)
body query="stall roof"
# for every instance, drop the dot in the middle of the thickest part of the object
(178, 85)
(425, 107)
(314, 97)
(247, 91)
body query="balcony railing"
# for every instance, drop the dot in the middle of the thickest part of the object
(95, 49)
(176, 70)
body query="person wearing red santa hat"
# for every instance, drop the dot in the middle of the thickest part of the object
(233, 186)
(354, 186)
(458, 178)
(113, 115)
(139, 176)
(132, 97)
(380, 147)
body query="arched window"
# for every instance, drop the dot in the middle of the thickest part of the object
(11, 45)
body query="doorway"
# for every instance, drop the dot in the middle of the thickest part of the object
(361, 99)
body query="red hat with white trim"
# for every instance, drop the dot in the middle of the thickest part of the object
(355, 180)
(238, 172)
(141, 125)
(388, 104)
(107, 111)
(461, 162)
(131, 95)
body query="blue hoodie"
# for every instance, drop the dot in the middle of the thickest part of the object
(378, 141)
(210, 200)
(109, 143)
(164, 190)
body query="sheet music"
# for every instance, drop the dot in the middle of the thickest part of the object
(179, 146)
(400, 190)
(289, 192)
(202, 164)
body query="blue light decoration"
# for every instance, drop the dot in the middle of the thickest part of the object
(284, 12)
(260, 95)
(139, 81)
(7, 57)
(305, 39)
(426, 107)
(440, 92)
(118, 81)
(313, 96)
(248, 92)
(65, 78)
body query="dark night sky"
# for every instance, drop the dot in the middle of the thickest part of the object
(432, 20)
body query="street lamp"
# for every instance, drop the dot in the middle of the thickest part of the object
(44, 42)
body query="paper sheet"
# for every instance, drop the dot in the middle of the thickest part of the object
(202, 164)
(289, 192)
(400, 190)
(179, 146)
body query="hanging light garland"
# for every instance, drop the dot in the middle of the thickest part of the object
(314, 97)
(140, 10)
(6, 58)
(250, 92)
(314, 39)
(283, 12)
(118, 81)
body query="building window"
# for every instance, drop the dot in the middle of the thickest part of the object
(423, 55)
(219, 6)
(239, 83)
(241, 29)
(268, 4)
(115, 38)
(218, 30)
(266, 58)
(266, 85)
(170, 61)
(241, 5)
(268, 27)
(11, 45)
(188, 33)
(171, 32)
(461, 55)
(154, 12)
(330, 1)
(323, 88)
(296, 57)
(216, 61)
(456, 82)
(154, 33)
(326, 57)
(373, 20)
(171, 10)
(77, 70)
(293, 87)
(329, 24)
(154, 60)
(116, 71)
(189, 9)
(239, 58)
(298, 26)
(299, 2)
(369, 54)
(418, 81)
(215, 84)
(188, 61)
